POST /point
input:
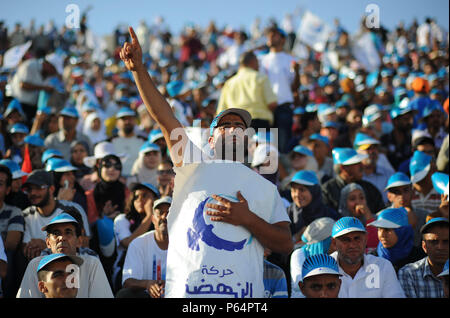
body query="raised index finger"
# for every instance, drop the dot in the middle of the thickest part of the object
(134, 38)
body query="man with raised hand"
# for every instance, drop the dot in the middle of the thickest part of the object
(202, 263)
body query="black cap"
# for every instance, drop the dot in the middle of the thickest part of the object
(39, 177)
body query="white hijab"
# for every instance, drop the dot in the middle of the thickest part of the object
(94, 136)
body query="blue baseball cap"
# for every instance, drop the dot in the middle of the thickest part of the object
(342, 103)
(175, 88)
(347, 156)
(330, 124)
(155, 135)
(391, 218)
(386, 72)
(245, 115)
(440, 182)
(432, 222)
(320, 137)
(403, 70)
(319, 264)
(14, 168)
(69, 112)
(311, 108)
(124, 100)
(59, 165)
(302, 150)
(432, 106)
(398, 179)
(125, 112)
(305, 177)
(89, 106)
(444, 270)
(34, 140)
(325, 109)
(61, 218)
(50, 153)
(19, 128)
(419, 166)
(345, 225)
(148, 186)
(46, 260)
(399, 111)
(148, 146)
(363, 139)
(14, 105)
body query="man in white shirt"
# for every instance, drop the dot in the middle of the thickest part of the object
(262, 220)
(363, 276)
(144, 271)
(283, 73)
(40, 189)
(28, 82)
(63, 233)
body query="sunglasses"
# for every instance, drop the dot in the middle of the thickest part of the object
(110, 164)
(170, 171)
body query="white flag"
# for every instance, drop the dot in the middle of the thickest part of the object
(13, 56)
(313, 31)
(366, 53)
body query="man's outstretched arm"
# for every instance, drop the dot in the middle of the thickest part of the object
(156, 104)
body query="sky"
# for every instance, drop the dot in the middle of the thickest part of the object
(105, 15)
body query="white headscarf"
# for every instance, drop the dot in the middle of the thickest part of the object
(94, 136)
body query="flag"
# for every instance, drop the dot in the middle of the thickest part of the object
(366, 53)
(13, 56)
(313, 31)
(26, 164)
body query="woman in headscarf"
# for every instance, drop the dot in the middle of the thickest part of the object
(105, 202)
(396, 237)
(94, 128)
(353, 203)
(145, 167)
(316, 239)
(135, 221)
(307, 204)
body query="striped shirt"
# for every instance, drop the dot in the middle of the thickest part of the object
(418, 281)
(275, 284)
(429, 202)
(11, 219)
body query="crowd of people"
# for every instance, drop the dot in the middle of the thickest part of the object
(88, 165)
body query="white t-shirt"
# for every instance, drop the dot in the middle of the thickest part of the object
(92, 279)
(29, 72)
(277, 66)
(215, 259)
(34, 221)
(375, 279)
(145, 260)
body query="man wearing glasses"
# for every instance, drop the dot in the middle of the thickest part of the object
(40, 190)
(166, 176)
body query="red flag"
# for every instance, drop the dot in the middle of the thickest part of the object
(26, 164)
